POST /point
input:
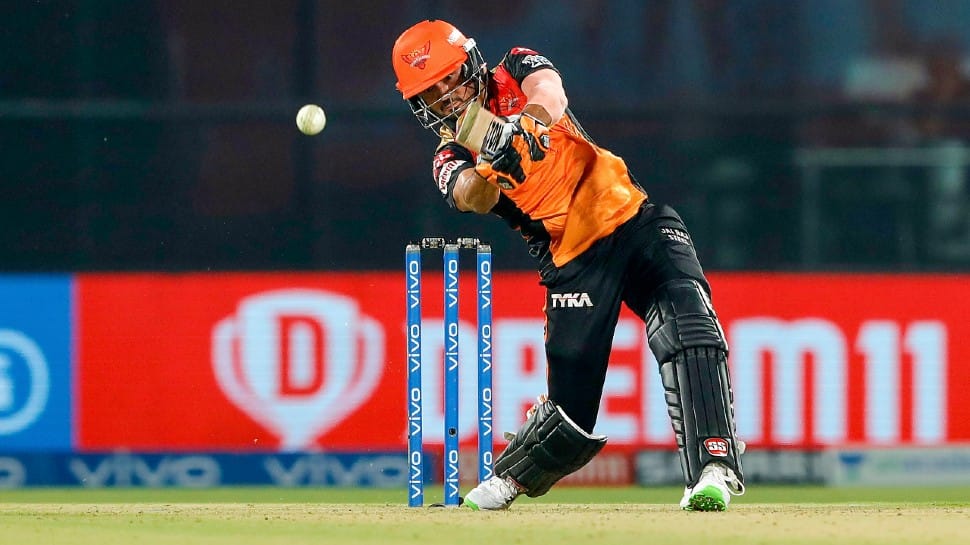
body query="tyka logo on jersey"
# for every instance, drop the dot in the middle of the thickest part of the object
(571, 300)
(716, 446)
(298, 361)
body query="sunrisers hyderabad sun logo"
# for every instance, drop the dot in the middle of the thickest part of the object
(419, 57)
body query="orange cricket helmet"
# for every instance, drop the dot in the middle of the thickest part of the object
(427, 52)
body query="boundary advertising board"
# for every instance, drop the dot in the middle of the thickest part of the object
(293, 362)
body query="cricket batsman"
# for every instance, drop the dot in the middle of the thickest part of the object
(598, 242)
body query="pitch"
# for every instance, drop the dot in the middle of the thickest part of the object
(270, 516)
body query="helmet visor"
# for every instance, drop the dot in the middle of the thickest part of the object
(445, 101)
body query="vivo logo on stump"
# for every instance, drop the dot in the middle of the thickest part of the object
(298, 361)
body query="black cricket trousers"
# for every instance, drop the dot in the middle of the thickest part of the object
(583, 301)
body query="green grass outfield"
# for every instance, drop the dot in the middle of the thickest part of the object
(594, 516)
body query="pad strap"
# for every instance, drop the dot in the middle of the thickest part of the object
(548, 447)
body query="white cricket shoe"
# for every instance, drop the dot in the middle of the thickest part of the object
(714, 489)
(494, 494)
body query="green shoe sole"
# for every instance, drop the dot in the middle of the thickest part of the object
(710, 498)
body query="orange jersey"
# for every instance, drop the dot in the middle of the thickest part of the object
(578, 194)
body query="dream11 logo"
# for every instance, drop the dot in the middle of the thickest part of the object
(298, 361)
(882, 345)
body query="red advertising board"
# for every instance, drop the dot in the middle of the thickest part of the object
(241, 361)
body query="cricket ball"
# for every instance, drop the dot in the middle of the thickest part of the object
(311, 119)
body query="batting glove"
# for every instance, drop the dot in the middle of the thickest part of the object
(522, 141)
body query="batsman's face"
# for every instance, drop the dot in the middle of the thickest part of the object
(449, 95)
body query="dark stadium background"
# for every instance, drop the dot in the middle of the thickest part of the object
(159, 135)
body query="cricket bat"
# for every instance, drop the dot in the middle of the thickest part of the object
(481, 131)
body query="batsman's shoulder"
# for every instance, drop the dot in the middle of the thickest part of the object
(521, 61)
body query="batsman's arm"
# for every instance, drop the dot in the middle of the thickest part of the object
(453, 168)
(544, 91)
(472, 193)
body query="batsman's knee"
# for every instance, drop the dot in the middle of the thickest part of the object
(681, 316)
(548, 447)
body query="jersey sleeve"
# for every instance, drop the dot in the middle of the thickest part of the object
(449, 161)
(522, 61)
